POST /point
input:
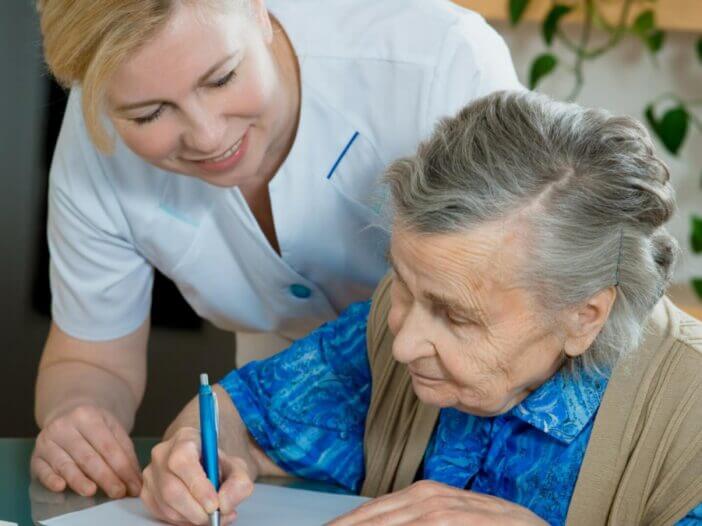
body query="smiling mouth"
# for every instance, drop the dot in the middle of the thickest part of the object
(231, 151)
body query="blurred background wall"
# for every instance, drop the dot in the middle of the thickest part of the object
(623, 81)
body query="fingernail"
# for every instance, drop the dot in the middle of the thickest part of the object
(116, 491)
(88, 490)
(225, 506)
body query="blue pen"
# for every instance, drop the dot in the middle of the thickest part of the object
(209, 427)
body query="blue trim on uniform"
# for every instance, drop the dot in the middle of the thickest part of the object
(343, 152)
(175, 213)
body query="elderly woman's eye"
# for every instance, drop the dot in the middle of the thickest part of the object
(456, 319)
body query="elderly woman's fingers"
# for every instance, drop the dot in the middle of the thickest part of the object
(227, 518)
(46, 475)
(376, 508)
(158, 509)
(177, 489)
(402, 507)
(184, 463)
(432, 503)
(450, 518)
(438, 507)
(176, 495)
(175, 483)
(237, 484)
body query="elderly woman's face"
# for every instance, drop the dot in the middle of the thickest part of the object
(471, 338)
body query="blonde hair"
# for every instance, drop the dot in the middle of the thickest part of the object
(85, 41)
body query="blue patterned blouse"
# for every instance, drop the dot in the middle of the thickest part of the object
(306, 407)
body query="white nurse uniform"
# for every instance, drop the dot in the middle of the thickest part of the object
(375, 77)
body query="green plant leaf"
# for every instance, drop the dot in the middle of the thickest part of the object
(516, 10)
(654, 41)
(672, 128)
(652, 120)
(696, 234)
(699, 49)
(542, 66)
(644, 27)
(550, 25)
(697, 286)
(644, 23)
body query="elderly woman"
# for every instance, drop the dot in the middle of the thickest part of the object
(522, 364)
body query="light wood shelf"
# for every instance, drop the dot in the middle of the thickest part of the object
(674, 15)
(685, 298)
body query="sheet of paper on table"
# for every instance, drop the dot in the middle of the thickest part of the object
(268, 506)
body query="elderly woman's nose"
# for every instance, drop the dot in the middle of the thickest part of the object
(412, 340)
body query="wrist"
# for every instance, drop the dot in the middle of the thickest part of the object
(66, 406)
(61, 409)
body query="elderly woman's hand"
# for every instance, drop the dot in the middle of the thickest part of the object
(177, 490)
(428, 503)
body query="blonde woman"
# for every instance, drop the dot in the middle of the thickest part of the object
(234, 145)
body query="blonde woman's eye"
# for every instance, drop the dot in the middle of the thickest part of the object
(150, 117)
(224, 80)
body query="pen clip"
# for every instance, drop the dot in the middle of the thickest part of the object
(216, 413)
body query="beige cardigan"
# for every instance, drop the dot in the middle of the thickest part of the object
(643, 464)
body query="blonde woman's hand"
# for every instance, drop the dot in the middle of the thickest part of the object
(86, 448)
(177, 490)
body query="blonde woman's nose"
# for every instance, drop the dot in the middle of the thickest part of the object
(206, 134)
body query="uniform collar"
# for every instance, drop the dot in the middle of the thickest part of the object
(564, 404)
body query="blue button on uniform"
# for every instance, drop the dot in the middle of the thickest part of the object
(300, 291)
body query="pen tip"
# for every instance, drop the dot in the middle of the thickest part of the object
(204, 380)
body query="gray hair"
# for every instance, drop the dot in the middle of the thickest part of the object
(593, 190)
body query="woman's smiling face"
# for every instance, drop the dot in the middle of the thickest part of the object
(204, 97)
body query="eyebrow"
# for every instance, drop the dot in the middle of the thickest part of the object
(454, 306)
(439, 299)
(152, 102)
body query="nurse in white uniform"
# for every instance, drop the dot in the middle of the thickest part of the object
(236, 147)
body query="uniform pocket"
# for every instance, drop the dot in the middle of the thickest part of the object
(357, 174)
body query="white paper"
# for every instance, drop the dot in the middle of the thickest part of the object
(268, 506)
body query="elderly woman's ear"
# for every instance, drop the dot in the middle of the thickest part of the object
(584, 322)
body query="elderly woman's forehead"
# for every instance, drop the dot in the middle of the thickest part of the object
(487, 252)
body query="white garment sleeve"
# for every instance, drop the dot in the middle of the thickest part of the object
(474, 62)
(100, 284)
